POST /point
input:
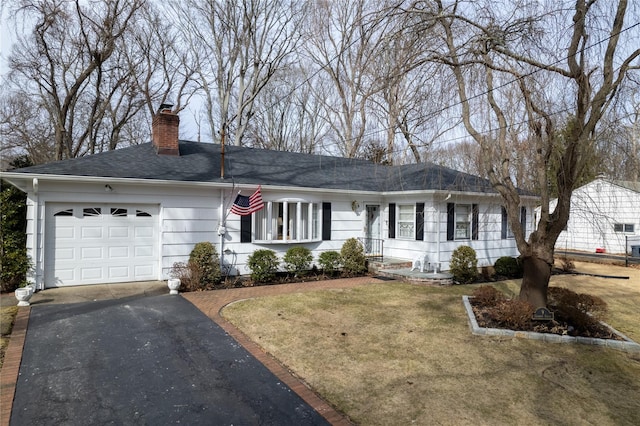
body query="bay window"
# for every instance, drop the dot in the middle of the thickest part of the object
(287, 221)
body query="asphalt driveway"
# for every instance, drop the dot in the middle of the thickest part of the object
(144, 360)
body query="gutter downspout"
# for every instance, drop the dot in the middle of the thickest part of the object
(36, 233)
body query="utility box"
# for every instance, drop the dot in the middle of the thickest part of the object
(635, 251)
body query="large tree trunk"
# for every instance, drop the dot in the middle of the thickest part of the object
(535, 281)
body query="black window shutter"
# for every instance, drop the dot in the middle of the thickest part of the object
(475, 216)
(503, 232)
(245, 229)
(451, 219)
(419, 221)
(326, 221)
(523, 218)
(392, 220)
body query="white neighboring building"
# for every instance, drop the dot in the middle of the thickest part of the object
(603, 214)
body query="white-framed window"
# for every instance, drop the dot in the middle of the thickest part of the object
(463, 222)
(624, 227)
(287, 221)
(406, 221)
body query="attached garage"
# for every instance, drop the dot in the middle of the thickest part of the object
(100, 243)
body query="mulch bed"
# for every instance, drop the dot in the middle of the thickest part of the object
(485, 317)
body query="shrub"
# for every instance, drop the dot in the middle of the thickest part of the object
(188, 274)
(329, 262)
(297, 260)
(487, 295)
(594, 305)
(14, 262)
(354, 261)
(514, 313)
(464, 265)
(205, 260)
(582, 310)
(509, 267)
(263, 265)
(567, 264)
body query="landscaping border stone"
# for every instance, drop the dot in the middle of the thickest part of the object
(626, 345)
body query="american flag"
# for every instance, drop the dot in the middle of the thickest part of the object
(246, 205)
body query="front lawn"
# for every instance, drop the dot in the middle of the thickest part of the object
(395, 353)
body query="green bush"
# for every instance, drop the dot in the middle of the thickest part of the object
(297, 260)
(464, 265)
(354, 261)
(204, 263)
(329, 262)
(509, 267)
(263, 265)
(14, 262)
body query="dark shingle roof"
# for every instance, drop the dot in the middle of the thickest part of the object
(200, 162)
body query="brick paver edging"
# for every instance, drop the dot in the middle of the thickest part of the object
(626, 345)
(11, 364)
(212, 302)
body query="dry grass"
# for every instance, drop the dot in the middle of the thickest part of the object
(395, 353)
(7, 318)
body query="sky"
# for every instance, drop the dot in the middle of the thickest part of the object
(5, 39)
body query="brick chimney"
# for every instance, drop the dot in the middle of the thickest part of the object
(164, 129)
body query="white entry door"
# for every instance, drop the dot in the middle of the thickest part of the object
(100, 243)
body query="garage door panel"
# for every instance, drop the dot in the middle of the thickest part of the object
(143, 231)
(91, 273)
(118, 232)
(143, 251)
(91, 232)
(91, 253)
(93, 244)
(119, 252)
(117, 272)
(66, 275)
(65, 232)
(142, 271)
(65, 253)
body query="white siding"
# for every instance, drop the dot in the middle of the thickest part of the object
(595, 209)
(191, 214)
(489, 246)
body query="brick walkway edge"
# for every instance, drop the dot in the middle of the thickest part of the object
(11, 365)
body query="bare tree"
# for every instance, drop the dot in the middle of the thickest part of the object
(237, 48)
(566, 79)
(288, 115)
(343, 39)
(410, 92)
(65, 67)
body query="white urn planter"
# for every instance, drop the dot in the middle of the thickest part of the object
(174, 285)
(23, 295)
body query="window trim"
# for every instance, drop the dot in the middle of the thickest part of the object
(293, 227)
(411, 235)
(624, 228)
(469, 222)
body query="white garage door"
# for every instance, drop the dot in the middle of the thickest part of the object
(98, 243)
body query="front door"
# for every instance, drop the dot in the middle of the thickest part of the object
(372, 230)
